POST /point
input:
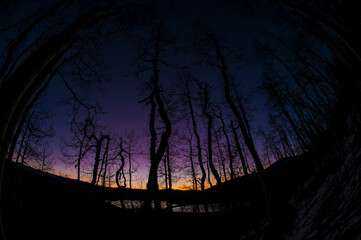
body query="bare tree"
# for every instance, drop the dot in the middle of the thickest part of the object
(45, 164)
(210, 48)
(212, 43)
(193, 170)
(76, 148)
(209, 135)
(154, 52)
(271, 87)
(229, 150)
(195, 131)
(30, 71)
(120, 172)
(90, 131)
(130, 141)
(37, 131)
(105, 161)
(239, 149)
(221, 156)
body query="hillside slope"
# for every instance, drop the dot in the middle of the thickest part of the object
(332, 210)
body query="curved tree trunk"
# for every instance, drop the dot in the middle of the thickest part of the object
(209, 137)
(195, 130)
(230, 155)
(156, 155)
(19, 88)
(119, 172)
(239, 149)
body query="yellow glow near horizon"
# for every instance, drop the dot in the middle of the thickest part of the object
(68, 172)
(175, 186)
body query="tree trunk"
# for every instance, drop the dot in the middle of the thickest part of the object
(169, 168)
(194, 176)
(152, 185)
(246, 134)
(165, 173)
(287, 115)
(209, 137)
(130, 166)
(233, 175)
(152, 188)
(17, 91)
(222, 158)
(79, 160)
(195, 130)
(239, 149)
(156, 155)
(96, 163)
(120, 169)
(105, 160)
(169, 191)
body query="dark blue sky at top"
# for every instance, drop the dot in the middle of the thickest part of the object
(239, 27)
(119, 93)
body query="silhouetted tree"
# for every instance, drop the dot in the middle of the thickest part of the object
(195, 131)
(212, 42)
(209, 46)
(37, 130)
(120, 172)
(187, 85)
(27, 73)
(90, 131)
(239, 149)
(105, 161)
(168, 178)
(274, 93)
(270, 145)
(193, 170)
(130, 143)
(78, 145)
(221, 156)
(153, 53)
(209, 135)
(229, 150)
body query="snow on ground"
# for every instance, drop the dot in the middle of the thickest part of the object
(333, 211)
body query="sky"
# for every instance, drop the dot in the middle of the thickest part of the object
(119, 93)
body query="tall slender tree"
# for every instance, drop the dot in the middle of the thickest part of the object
(229, 150)
(239, 149)
(156, 102)
(26, 77)
(209, 134)
(195, 130)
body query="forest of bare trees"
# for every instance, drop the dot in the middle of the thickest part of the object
(205, 130)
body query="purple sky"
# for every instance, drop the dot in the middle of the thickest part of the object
(119, 94)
